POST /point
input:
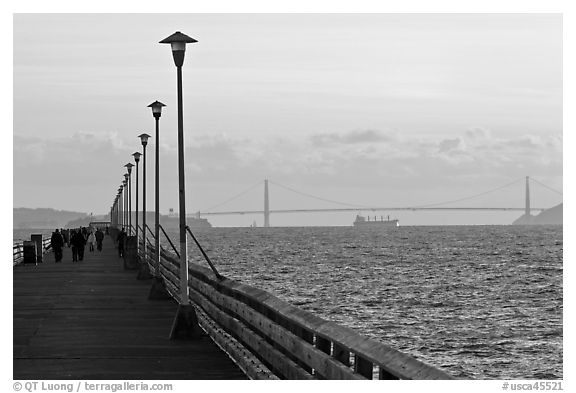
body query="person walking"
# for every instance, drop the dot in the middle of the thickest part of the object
(79, 241)
(73, 246)
(91, 240)
(57, 242)
(66, 236)
(120, 239)
(99, 238)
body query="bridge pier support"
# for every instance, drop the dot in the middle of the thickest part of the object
(527, 207)
(266, 205)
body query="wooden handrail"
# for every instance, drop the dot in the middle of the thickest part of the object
(294, 343)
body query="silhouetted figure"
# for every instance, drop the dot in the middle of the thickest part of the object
(73, 246)
(78, 242)
(120, 239)
(99, 235)
(91, 241)
(65, 237)
(57, 242)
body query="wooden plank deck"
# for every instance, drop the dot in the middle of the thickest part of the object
(92, 320)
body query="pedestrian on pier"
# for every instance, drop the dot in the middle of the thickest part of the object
(99, 238)
(91, 241)
(66, 236)
(57, 242)
(120, 239)
(73, 246)
(78, 243)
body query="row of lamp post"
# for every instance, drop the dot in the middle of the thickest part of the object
(178, 43)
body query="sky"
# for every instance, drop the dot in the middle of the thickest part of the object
(362, 109)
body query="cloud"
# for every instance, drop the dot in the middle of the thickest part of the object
(448, 145)
(478, 133)
(369, 159)
(352, 137)
(80, 158)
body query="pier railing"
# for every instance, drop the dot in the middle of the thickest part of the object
(288, 342)
(18, 250)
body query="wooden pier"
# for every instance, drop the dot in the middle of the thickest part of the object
(93, 320)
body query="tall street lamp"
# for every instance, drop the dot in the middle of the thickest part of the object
(144, 140)
(157, 112)
(129, 167)
(114, 218)
(125, 207)
(183, 326)
(127, 196)
(137, 160)
(120, 206)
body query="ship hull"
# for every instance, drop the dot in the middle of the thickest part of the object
(384, 224)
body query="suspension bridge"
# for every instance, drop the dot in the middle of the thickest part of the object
(347, 207)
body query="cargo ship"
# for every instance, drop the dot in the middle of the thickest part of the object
(192, 221)
(365, 222)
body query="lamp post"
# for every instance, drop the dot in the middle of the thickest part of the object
(137, 160)
(144, 140)
(117, 210)
(178, 43)
(186, 323)
(127, 213)
(157, 112)
(120, 207)
(125, 207)
(129, 167)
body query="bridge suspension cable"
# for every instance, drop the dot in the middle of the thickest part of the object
(544, 185)
(235, 196)
(319, 198)
(472, 196)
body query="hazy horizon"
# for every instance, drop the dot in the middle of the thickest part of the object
(362, 109)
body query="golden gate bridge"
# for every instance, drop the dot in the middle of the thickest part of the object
(266, 211)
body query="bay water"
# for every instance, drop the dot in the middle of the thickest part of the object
(481, 302)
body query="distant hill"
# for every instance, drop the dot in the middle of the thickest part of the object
(85, 220)
(552, 216)
(43, 218)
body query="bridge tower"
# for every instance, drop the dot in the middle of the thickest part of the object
(266, 205)
(527, 208)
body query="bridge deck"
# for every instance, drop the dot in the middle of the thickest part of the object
(92, 320)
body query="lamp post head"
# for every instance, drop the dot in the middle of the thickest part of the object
(156, 108)
(144, 139)
(129, 166)
(178, 42)
(137, 156)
